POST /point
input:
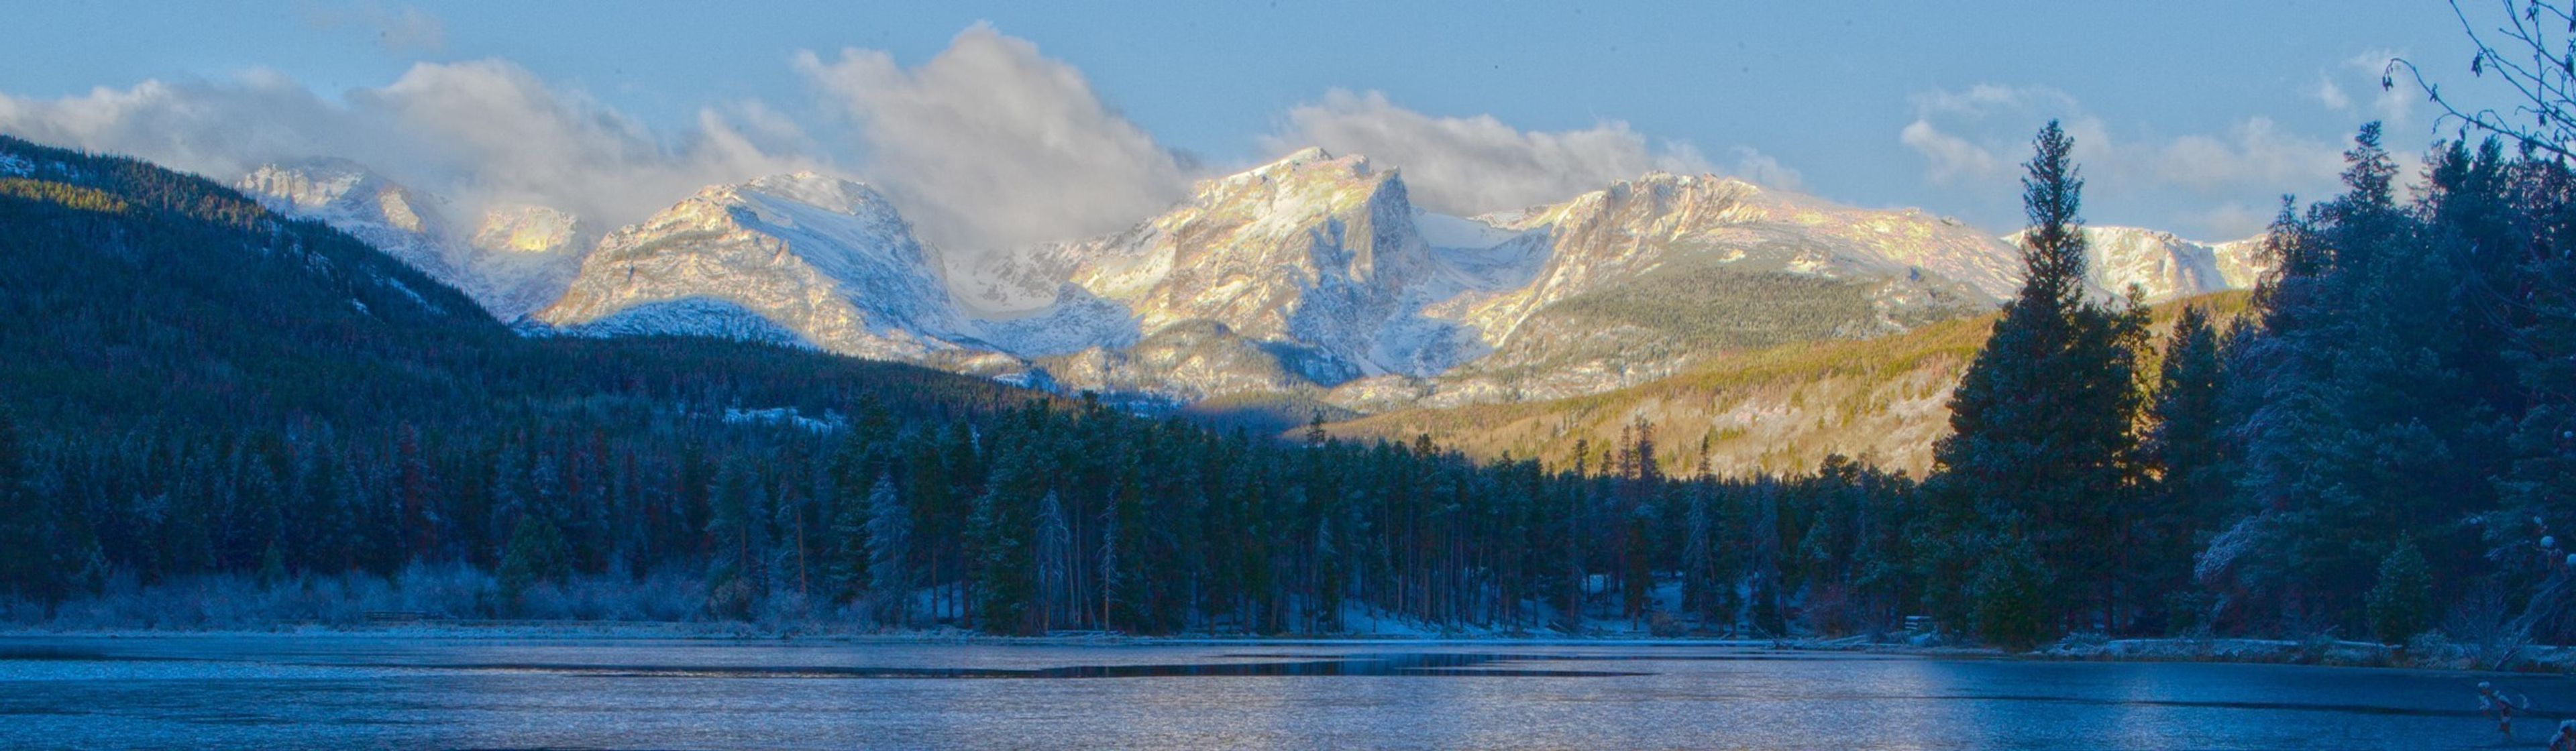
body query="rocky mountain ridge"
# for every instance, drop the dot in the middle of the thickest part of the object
(1311, 279)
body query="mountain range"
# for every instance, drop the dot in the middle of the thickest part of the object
(1312, 283)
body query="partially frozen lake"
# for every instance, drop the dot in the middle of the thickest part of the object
(343, 691)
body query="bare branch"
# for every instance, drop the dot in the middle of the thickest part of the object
(2528, 61)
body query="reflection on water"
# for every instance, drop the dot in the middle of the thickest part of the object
(336, 691)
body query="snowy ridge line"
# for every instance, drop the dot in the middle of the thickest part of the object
(1321, 278)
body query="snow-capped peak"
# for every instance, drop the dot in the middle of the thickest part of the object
(337, 185)
(1307, 164)
(1308, 155)
(800, 257)
(820, 191)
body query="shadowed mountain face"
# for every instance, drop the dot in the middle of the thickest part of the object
(1312, 281)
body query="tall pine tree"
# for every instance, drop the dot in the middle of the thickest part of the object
(889, 546)
(2187, 445)
(2042, 452)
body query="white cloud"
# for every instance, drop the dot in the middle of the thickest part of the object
(1952, 131)
(1977, 139)
(991, 145)
(215, 129)
(2233, 220)
(2331, 94)
(1752, 164)
(475, 132)
(1477, 164)
(987, 145)
(1953, 159)
(2254, 152)
(1987, 99)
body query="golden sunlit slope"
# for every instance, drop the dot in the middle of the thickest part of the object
(1780, 409)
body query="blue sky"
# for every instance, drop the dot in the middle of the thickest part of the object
(1070, 117)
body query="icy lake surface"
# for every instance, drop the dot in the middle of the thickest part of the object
(345, 691)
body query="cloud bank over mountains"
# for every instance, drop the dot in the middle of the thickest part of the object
(478, 132)
(1470, 165)
(1978, 136)
(992, 144)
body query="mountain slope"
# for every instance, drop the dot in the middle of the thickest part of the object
(1311, 265)
(139, 297)
(1315, 272)
(1311, 279)
(170, 295)
(1645, 277)
(512, 260)
(1777, 410)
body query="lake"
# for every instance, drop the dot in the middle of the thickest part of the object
(334, 691)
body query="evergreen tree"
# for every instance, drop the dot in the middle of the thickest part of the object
(1054, 562)
(2187, 445)
(2042, 450)
(537, 553)
(735, 580)
(889, 546)
(2359, 429)
(2009, 592)
(847, 571)
(1700, 587)
(999, 530)
(2401, 603)
(27, 565)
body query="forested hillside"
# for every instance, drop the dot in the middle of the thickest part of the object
(200, 386)
(203, 397)
(1779, 410)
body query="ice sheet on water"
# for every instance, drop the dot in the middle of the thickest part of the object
(325, 691)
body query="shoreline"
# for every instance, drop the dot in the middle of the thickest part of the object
(2533, 659)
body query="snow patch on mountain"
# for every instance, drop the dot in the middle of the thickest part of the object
(1074, 321)
(787, 416)
(1445, 231)
(692, 316)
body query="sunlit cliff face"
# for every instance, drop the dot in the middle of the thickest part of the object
(522, 228)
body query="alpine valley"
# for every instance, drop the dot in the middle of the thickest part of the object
(1307, 287)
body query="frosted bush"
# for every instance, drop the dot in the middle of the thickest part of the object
(452, 590)
(785, 610)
